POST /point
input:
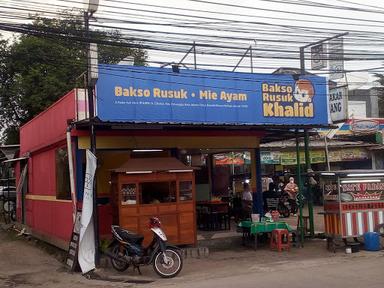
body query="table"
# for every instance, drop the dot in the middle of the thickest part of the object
(255, 228)
(213, 215)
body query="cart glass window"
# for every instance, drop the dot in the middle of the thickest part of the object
(128, 194)
(330, 190)
(185, 188)
(63, 190)
(157, 192)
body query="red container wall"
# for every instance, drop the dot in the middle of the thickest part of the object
(49, 126)
(51, 218)
(42, 178)
(44, 213)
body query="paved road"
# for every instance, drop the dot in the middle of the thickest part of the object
(24, 264)
(367, 273)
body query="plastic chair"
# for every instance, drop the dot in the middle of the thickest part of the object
(280, 240)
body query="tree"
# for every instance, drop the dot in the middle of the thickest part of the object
(36, 70)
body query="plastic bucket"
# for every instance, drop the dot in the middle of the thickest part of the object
(348, 250)
(372, 241)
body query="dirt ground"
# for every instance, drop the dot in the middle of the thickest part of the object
(27, 263)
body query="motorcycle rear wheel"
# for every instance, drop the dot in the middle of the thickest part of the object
(119, 251)
(283, 210)
(170, 268)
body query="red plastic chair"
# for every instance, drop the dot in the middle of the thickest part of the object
(280, 240)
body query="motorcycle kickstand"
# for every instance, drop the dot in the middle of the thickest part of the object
(138, 269)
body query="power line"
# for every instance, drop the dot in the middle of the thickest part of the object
(151, 11)
(284, 12)
(133, 23)
(176, 46)
(77, 36)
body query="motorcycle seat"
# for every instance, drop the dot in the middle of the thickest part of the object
(129, 236)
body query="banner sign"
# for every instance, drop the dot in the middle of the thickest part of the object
(348, 154)
(355, 126)
(338, 104)
(336, 58)
(317, 156)
(318, 57)
(270, 157)
(364, 126)
(86, 255)
(159, 95)
(355, 192)
(290, 158)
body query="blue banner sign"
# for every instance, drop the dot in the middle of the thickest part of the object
(159, 95)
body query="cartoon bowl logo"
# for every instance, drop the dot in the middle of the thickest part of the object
(304, 91)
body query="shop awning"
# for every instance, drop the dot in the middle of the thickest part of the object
(9, 151)
(15, 159)
(268, 133)
(150, 165)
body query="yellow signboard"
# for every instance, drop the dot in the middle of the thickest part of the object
(317, 156)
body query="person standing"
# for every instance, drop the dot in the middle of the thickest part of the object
(292, 189)
(247, 200)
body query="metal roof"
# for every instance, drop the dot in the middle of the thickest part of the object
(272, 132)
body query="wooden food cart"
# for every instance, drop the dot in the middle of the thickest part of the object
(162, 187)
(353, 204)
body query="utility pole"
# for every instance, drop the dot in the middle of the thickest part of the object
(90, 84)
(309, 187)
(300, 184)
(306, 137)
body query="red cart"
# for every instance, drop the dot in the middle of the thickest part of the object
(353, 204)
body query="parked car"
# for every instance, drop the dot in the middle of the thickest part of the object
(8, 192)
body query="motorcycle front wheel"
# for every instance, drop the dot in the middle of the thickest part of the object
(168, 264)
(119, 251)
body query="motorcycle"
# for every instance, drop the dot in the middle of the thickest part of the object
(127, 249)
(284, 206)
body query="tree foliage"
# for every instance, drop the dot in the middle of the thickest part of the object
(36, 71)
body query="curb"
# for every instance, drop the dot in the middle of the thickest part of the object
(197, 252)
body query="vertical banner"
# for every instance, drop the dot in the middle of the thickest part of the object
(87, 236)
(338, 104)
(318, 57)
(336, 58)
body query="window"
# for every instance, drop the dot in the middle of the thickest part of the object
(157, 192)
(63, 190)
(185, 189)
(128, 194)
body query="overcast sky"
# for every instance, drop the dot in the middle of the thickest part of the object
(274, 29)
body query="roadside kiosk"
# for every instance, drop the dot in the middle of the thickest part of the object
(353, 204)
(146, 112)
(160, 186)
